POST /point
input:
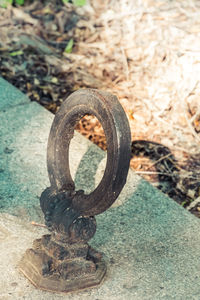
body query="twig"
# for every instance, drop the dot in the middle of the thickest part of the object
(37, 224)
(191, 127)
(157, 161)
(193, 204)
(195, 116)
(185, 112)
(156, 173)
(125, 63)
(166, 174)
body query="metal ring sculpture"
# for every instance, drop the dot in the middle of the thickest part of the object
(63, 261)
(111, 115)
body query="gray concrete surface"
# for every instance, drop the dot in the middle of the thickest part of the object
(151, 245)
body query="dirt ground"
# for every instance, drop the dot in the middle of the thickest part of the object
(146, 52)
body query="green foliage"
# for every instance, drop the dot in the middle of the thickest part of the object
(79, 2)
(19, 2)
(5, 3)
(183, 203)
(15, 53)
(68, 48)
(76, 2)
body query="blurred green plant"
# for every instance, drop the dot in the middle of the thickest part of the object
(16, 53)
(75, 2)
(68, 48)
(19, 2)
(5, 3)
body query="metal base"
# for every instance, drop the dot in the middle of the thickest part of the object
(53, 266)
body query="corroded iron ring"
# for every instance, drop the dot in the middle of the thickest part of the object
(112, 117)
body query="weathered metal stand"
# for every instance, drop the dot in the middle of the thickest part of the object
(63, 261)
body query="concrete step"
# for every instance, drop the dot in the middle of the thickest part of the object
(150, 243)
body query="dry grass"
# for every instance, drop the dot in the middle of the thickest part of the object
(148, 54)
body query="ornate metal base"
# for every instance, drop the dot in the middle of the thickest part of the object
(62, 267)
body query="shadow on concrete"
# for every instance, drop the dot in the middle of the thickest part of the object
(86, 172)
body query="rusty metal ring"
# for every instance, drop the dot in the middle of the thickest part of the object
(112, 117)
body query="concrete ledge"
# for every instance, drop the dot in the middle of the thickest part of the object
(10, 97)
(151, 244)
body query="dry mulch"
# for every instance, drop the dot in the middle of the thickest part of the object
(146, 52)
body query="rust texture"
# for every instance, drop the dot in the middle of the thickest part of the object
(63, 261)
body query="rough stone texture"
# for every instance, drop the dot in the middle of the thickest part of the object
(10, 97)
(151, 245)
